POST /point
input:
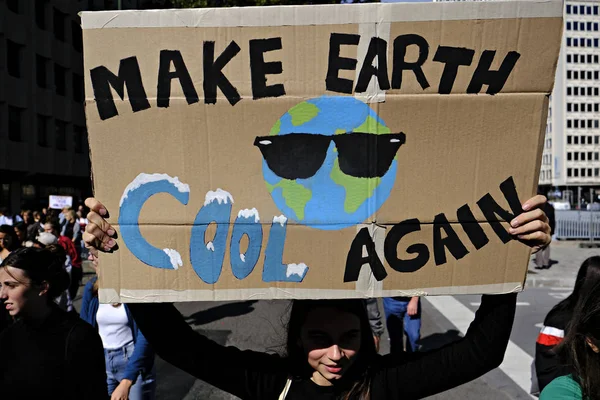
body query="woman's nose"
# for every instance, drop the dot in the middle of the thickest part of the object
(334, 353)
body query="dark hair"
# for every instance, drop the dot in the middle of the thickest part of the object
(20, 226)
(54, 223)
(41, 265)
(357, 378)
(11, 240)
(584, 325)
(589, 272)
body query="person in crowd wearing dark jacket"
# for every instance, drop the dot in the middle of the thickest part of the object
(580, 350)
(8, 241)
(548, 365)
(330, 349)
(46, 353)
(128, 356)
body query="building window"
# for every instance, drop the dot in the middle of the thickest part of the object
(79, 136)
(568, 58)
(60, 129)
(14, 58)
(568, 26)
(575, 141)
(42, 130)
(596, 139)
(569, 123)
(582, 156)
(59, 25)
(589, 140)
(41, 71)
(596, 107)
(60, 80)
(569, 156)
(596, 41)
(596, 59)
(596, 124)
(76, 36)
(576, 172)
(15, 123)
(569, 139)
(569, 107)
(568, 9)
(589, 156)
(78, 88)
(583, 172)
(576, 123)
(576, 156)
(569, 172)
(569, 42)
(40, 13)
(13, 5)
(569, 90)
(596, 75)
(569, 74)
(575, 74)
(581, 10)
(595, 8)
(576, 107)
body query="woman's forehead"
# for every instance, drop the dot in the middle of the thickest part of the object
(8, 274)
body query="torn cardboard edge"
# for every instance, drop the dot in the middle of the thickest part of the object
(321, 14)
(273, 293)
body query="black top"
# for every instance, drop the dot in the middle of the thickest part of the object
(253, 375)
(36, 362)
(548, 364)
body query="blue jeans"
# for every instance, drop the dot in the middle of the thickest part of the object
(399, 322)
(116, 363)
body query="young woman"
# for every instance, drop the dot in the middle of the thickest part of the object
(128, 356)
(547, 363)
(8, 241)
(330, 349)
(46, 353)
(581, 350)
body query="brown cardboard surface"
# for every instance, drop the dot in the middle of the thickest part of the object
(464, 151)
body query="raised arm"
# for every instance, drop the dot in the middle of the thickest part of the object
(245, 374)
(418, 375)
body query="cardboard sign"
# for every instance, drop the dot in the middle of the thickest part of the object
(317, 151)
(60, 202)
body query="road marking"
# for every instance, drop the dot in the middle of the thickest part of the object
(519, 303)
(516, 364)
(559, 296)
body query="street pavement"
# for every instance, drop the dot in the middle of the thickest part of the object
(260, 325)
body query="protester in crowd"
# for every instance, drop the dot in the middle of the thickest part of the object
(46, 353)
(330, 348)
(542, 258)
(6, 218)
(128, 357)
(375, 321)
(76, 271)
(8, 241)
(21, 231)
(71, 228)
(548, 365)
(403, 315)
(36, 226)
(580, 350)
(27, 217)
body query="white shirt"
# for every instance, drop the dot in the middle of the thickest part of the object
(112, 326)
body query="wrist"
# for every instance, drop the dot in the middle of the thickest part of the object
(126, 382)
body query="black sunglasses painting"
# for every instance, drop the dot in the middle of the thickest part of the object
(300, 155)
